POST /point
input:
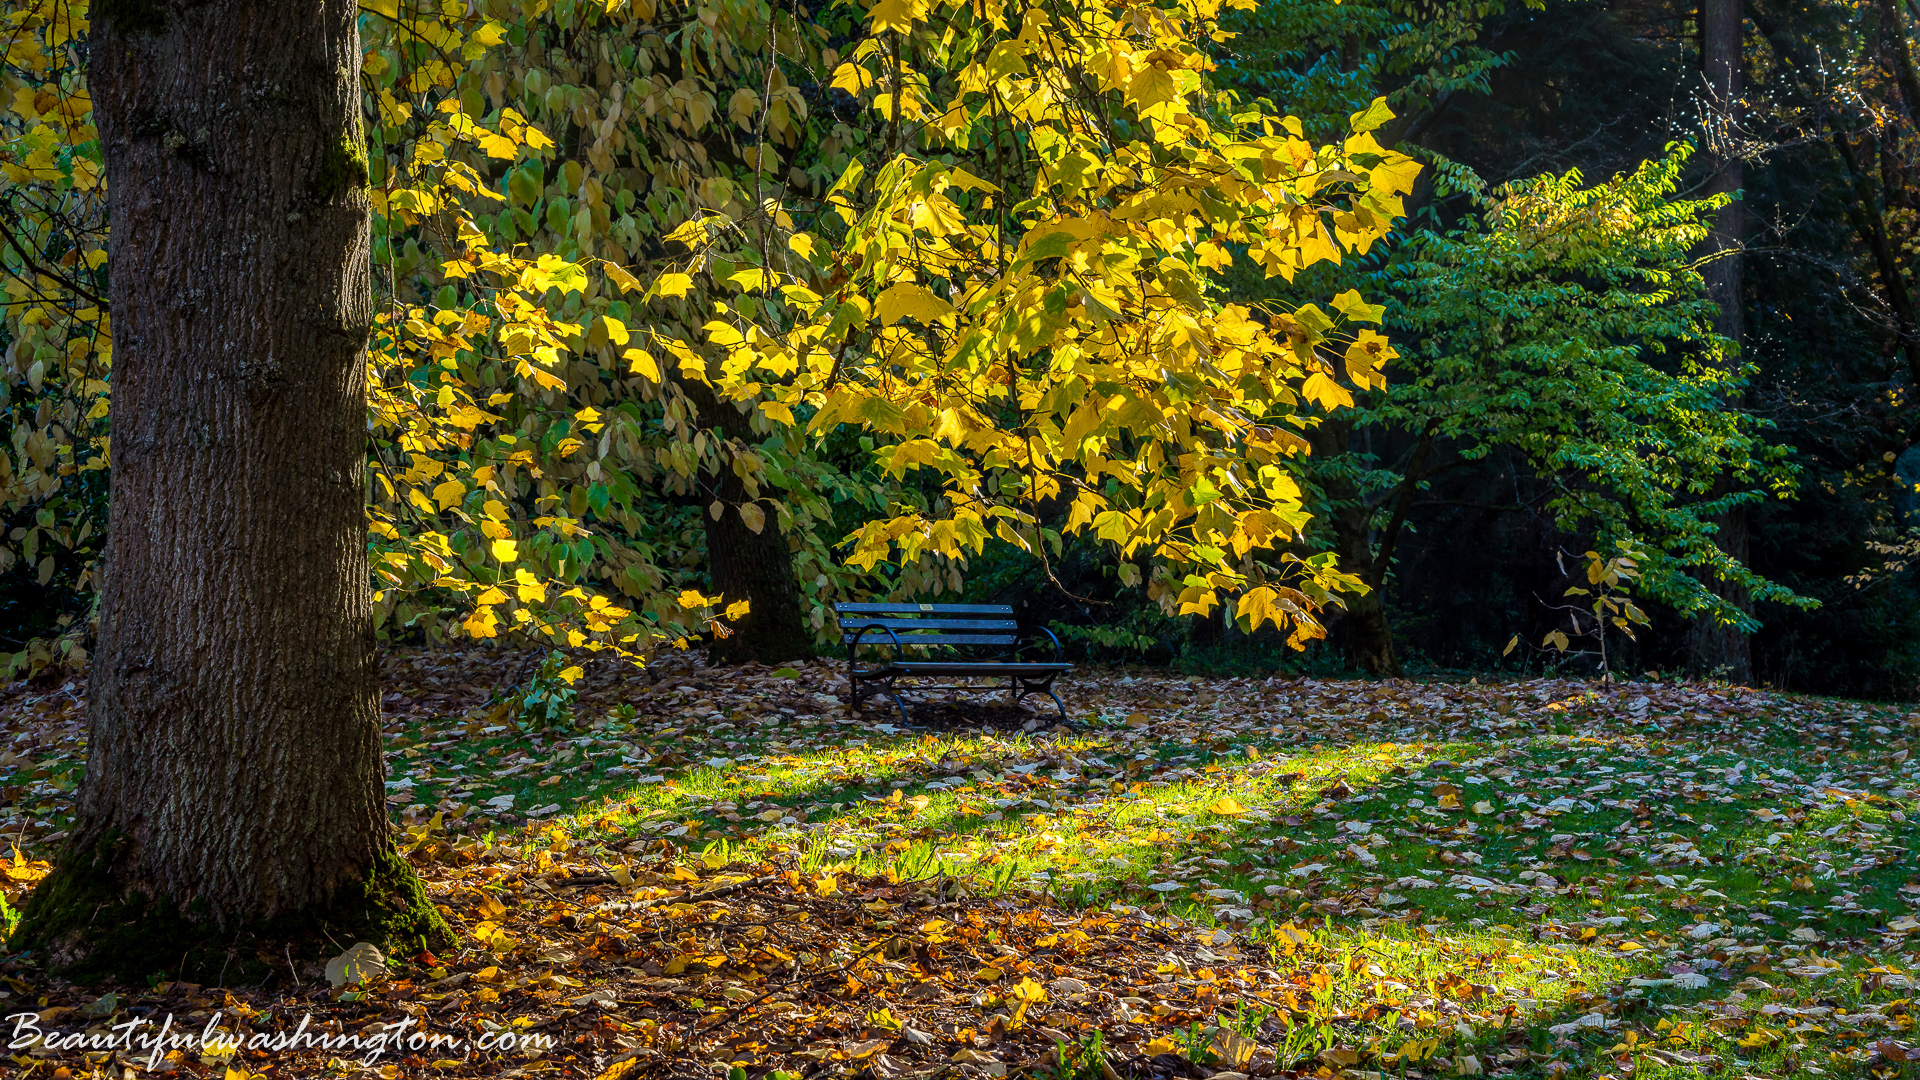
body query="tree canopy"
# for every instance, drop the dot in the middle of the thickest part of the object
(1186, 296)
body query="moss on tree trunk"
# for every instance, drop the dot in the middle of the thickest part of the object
(84, 922)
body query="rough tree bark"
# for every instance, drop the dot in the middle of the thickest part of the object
(234, 773)
(1714, 647)
(747, 565)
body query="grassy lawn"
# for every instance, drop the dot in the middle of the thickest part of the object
(1538, 878)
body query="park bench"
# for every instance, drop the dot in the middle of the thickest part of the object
(962, 641)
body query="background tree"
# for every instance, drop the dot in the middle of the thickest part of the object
(1566, 330)
(234, 774)
(747, 553)
(1046, 330)
(1531, 319)
(1718, 639)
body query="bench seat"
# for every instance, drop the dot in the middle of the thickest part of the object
(942, 667)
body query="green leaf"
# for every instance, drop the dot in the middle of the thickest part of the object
(1351, 305)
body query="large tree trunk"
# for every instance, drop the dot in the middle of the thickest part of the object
(747, 565)
(234, 769)
(1716, 648)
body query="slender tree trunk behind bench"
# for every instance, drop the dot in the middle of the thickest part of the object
(747, 565)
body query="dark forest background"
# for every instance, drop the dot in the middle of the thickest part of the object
(1823, 136)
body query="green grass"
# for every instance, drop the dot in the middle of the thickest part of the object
(1658, 900)
(1546, 879)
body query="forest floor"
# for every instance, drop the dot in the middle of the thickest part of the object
(722, 873)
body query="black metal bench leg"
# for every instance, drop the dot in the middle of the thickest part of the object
(862, 690)
(1043, 687)
(891, 691)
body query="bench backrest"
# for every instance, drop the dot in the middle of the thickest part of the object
(929, 624)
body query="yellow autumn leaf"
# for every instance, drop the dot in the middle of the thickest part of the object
(1372, 117)
(621, 278)
(672, 285)
(498, 146)
(1395, 175)
(641, 363)
(1353, 306)
(753, 517)
(1027, 990)
(481, 623)
(1227, 806)
(906, 300)
(505, 550)
(1151, 86)
(1326, 393)
(892, 15)
(449, 494)
(853, 79)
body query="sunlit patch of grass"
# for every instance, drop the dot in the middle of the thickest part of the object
(1460, 897)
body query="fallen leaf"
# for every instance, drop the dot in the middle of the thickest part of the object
(360, 963)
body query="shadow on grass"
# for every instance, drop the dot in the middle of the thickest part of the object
(1490, 925)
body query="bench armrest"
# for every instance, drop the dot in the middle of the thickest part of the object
(854, 645)
(1033, 631)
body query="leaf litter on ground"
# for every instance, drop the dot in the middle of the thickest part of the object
(721, 870)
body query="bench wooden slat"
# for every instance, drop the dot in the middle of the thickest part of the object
(943, 667)
(939, 609)
(933, 639)
(930, 624)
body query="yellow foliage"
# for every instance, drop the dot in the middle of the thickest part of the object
(932, 318)
(1029, 330)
